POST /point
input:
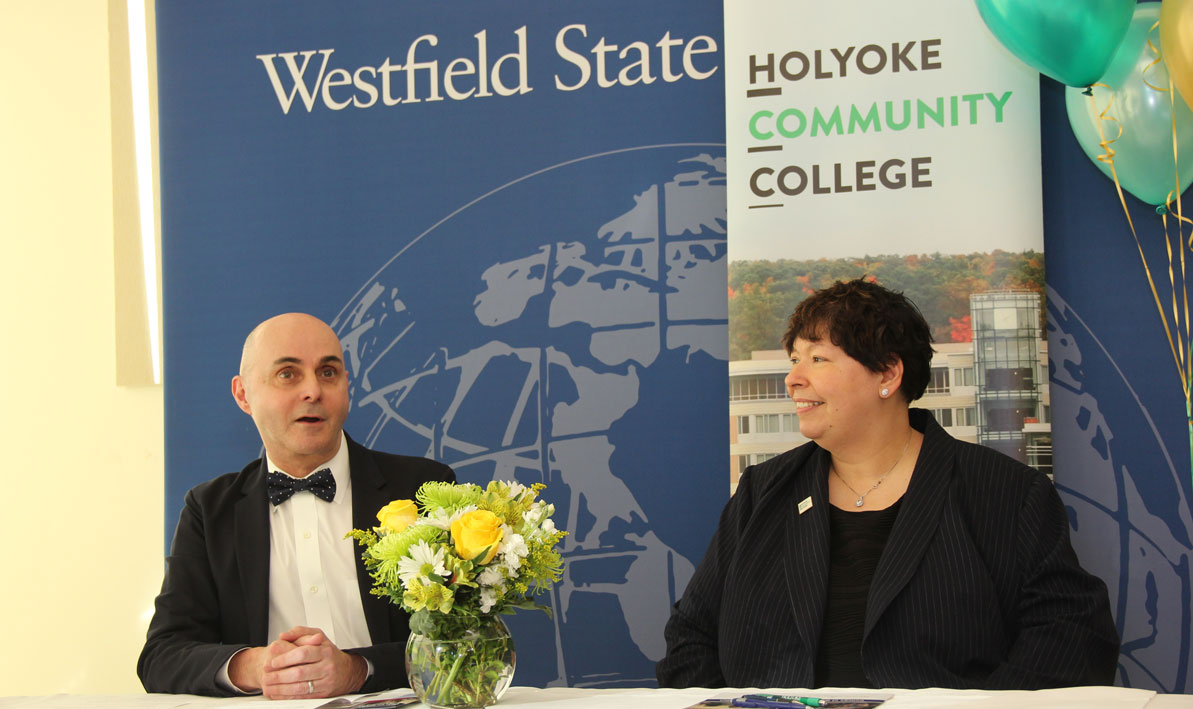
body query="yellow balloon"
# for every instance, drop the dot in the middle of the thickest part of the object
(1176, 37)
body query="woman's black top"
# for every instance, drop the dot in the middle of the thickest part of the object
(856, 541)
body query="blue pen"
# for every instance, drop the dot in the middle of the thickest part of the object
(781, 701)
(836, 702)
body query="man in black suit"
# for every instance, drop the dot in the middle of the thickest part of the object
(261, 589)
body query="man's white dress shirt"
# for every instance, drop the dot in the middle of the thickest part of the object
(312, 568)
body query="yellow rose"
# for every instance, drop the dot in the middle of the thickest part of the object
(397, 515)
(474, 532)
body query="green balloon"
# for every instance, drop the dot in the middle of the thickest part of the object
(1143, 153)
(1070, 40)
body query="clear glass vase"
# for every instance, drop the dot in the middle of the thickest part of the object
(471, 671)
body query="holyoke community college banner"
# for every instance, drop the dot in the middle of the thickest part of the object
(900, 140)
(513, 214)
(865, 142)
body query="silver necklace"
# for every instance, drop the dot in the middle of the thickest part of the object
(861, 497)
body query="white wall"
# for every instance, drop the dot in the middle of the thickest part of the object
(81, 516)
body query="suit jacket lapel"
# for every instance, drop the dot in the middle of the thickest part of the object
(368, 496)
(916, 524)
(252, 552)
(806, 561)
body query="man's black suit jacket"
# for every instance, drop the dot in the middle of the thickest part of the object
(215, 595)
(978, 585)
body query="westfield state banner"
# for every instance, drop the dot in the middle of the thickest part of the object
(513, 215)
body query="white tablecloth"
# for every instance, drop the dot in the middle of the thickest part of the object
(569, 698)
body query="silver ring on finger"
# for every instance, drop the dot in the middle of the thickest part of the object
(310, 686)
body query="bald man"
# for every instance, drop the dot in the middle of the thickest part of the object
(262, 593)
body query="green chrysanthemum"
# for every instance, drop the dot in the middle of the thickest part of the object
(392, 548)
(397, 545)
(447, 496)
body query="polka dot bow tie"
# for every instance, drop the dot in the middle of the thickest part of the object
(320, 483)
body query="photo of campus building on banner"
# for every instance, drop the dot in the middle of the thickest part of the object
(989, 375)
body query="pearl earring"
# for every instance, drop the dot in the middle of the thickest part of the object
(884, 393)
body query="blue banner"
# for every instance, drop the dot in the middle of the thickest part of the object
(1121, 438)
(514, 218)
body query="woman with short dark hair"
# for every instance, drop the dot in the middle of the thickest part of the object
(885, 553)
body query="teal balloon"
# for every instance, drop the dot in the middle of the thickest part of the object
(1071, 41)
(1143, 153)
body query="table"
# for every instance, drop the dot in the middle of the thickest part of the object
(575, 698)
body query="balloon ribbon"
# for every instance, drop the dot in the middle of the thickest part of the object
(1177, 347)
(1183, 360)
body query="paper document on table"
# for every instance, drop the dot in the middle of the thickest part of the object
(382, 700)
(256, 701)
(1074, 697)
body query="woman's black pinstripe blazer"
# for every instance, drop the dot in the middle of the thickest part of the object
(978, 586)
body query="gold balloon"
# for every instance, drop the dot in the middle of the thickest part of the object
(1176, 37)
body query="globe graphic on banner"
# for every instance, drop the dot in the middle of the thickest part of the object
(1120, 517)
(569, 328)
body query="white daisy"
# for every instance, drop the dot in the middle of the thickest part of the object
(421, 562)
(458, 514)
(440, 518)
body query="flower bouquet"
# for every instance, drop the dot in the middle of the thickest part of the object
(470, 554)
